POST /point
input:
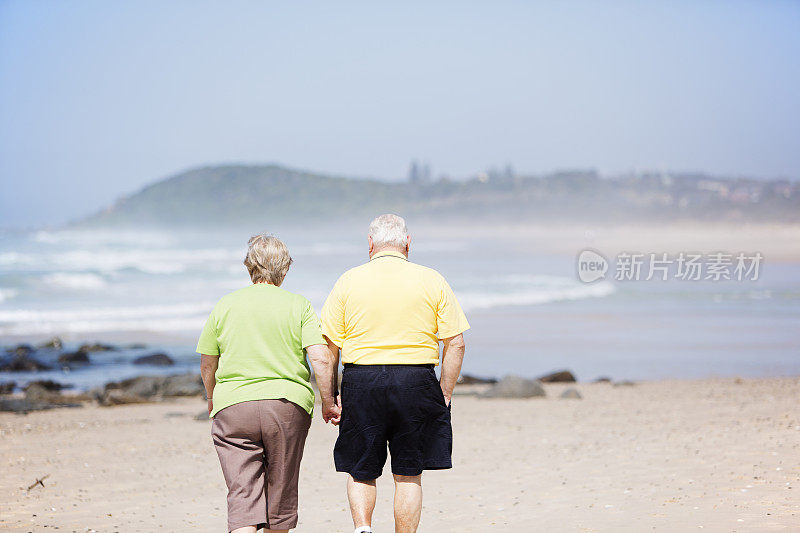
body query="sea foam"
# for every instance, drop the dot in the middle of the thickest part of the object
(518, 290)
(77, 282)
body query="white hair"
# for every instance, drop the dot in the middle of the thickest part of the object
(267, 259)
(388, 231)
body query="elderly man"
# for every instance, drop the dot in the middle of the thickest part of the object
(387, 317)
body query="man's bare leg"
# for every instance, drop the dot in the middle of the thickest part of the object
(361, 495)
(407, 503)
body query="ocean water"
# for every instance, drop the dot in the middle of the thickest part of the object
(529, 312)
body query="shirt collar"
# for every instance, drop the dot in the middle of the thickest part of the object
(389, 253)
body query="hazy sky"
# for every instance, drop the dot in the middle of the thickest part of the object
(99, 98)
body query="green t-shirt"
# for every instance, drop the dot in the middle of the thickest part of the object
(260, 334)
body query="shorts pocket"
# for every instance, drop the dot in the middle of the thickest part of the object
(436, 389)
(359, 379)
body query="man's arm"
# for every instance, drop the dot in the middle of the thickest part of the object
(452, 357)
(208, 369)
(324, 364)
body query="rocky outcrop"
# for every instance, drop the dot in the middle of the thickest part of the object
(562, 376)
(74, 358)
(97, 347)
(22, 361)
(120, 397)
(49, 392)
(183, 385)
(36, 393)
(21, 350)
(25, 406)
(467, 379)
(40, 395)
(53, 344)
(571, 393)
(515, 387)
(155, 359)
(47, 384)
(135, 346)
(149, 389)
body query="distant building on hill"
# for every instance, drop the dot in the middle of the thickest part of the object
(419, 173)
(495, 174)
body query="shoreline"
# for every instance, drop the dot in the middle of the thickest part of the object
(779, 242)
(110, 357)
(669, 455)
(107, 337)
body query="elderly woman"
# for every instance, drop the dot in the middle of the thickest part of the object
(253, 350)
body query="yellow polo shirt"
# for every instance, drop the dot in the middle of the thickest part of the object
(391, 311)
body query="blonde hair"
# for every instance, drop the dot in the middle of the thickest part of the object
(267, 259)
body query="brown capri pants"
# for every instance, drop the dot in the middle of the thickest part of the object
(260, 445)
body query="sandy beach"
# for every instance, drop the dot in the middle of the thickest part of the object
(673, 455)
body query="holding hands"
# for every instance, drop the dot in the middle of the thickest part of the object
(332, 411)
(325, 362)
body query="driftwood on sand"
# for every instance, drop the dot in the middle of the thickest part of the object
(39, 481)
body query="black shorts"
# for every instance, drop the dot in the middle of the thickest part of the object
(401, 405)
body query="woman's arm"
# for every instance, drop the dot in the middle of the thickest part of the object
(335, 355)
(324, 372)
(208, 368)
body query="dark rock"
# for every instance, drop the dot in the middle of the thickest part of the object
(183, 385)
(466, 379)
(24, 406)
(156, 359)
(602, 379)
(17, 405)
(562, 376)
(515, 387)
(39, 394)
(571, 393)
(120, 397)
(47, 384)
(23, 362)
(149, 388)
(21, 350)
(53, 344)
(7, 387)
(42, 392)
(74, 358)
(202, 416)
(145, 386)
(135, 346)
(96, 393)
(624, 383)
(97, 347)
